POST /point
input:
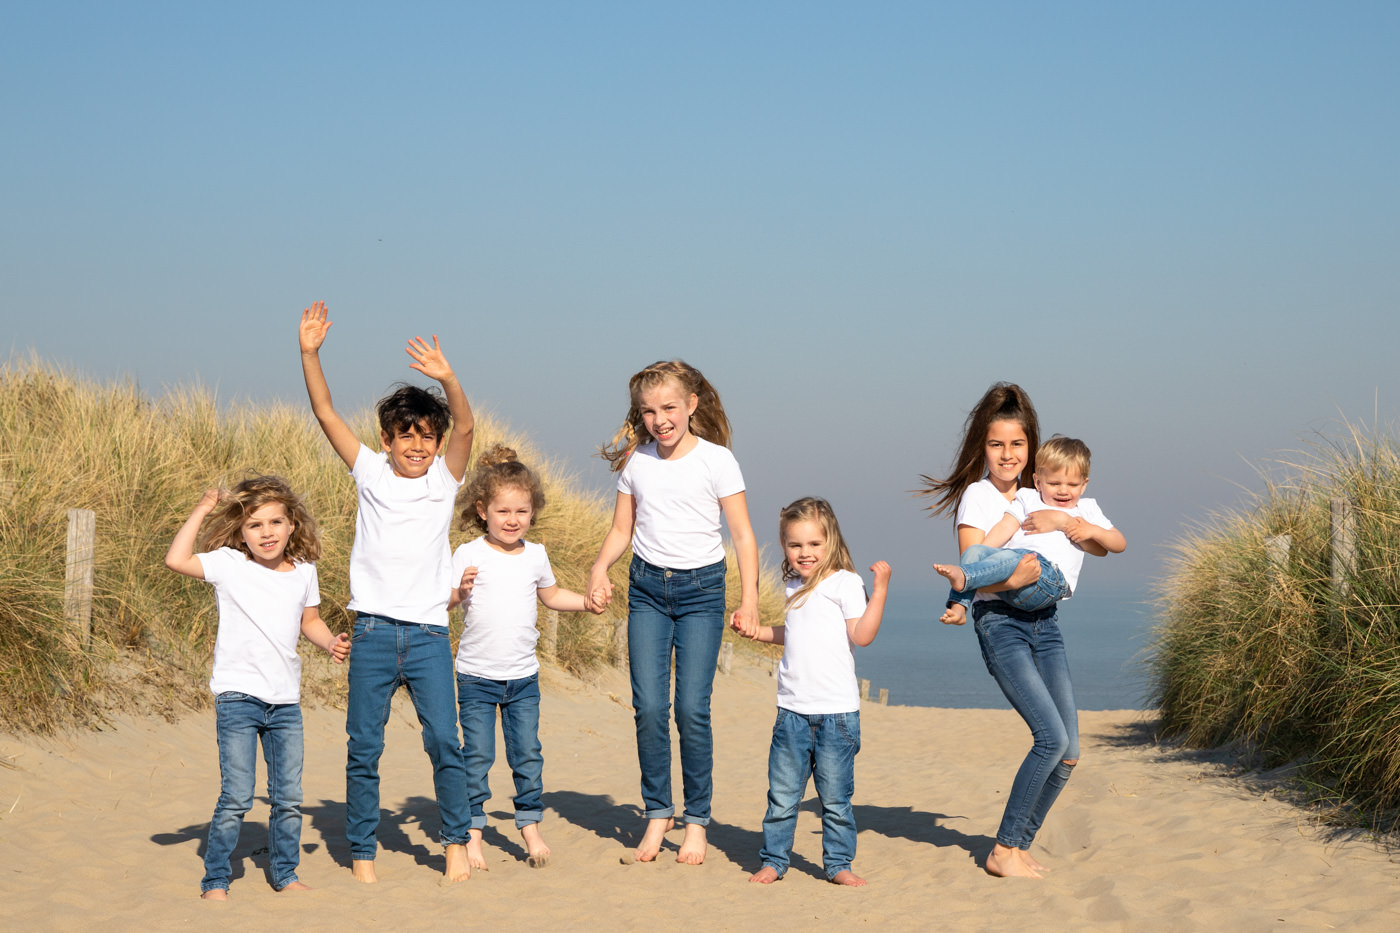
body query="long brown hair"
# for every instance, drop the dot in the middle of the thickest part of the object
(224, 527)
(496, 469)
(709, 421)
(1004, 401)
(837, 557)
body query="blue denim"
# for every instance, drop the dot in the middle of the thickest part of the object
(519, 702)
(388, 654)
(985, 566)
(680, 611)
(241, 720)
(822, 746)
(1025, 652)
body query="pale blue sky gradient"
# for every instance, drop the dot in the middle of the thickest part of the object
(1175, 224)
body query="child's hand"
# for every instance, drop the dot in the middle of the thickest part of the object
(429, 361)
(954, 615)
(339, 648)
(882, 574)
(745, 621)
(208, 501)
(313, 327)
(600, 589)
(1078, 530)
(464, 588)
(1045, 521)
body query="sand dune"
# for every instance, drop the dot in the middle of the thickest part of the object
(104, 830)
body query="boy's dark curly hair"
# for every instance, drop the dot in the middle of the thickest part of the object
(410, 405)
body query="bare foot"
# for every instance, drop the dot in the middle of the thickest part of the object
(1031, 861)
(215, 894)
(537, 853)
(765, 875)
(650, 846)
(1006, 862)
(693, 845)
(363, 870)
(476, 855)
(848, 878)
(295, 886)
(953, 573)
(457, 867)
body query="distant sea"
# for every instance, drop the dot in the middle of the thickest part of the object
(925, 663)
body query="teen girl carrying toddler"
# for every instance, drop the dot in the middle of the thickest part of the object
(500, 576)
(676, 478)
(258, 553)
(817, 733)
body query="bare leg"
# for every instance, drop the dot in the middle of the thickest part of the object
(476, 855)
(692, 845)
(215, 894)
(650, 846)
(848, 878)
(537, 853)
(457, 868)
(363, 870)
(765, 875)
(1006, 862)
(953, 574)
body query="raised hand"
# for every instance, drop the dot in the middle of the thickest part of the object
(314, 325)
(429, 361)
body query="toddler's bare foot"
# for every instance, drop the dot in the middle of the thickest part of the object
(765, 875)
(1006, 862)
(650, 846)
(692, 845)
(953, 573)
(1031, 861)
(363, 870)
(457, 867)
(295, 886)
(537, 853)
(849, 878)
(476, 855)
(215, 894)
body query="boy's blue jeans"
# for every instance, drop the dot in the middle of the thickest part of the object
(519, 702)
(985, 566)
(1025, 653)
(388, 654)
(680, 611)
(240, 721)
(822, 746)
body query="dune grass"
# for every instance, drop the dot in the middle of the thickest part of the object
(141, 463)
(1259, 648)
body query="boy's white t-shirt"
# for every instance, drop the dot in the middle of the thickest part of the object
(401, 561)
(255, 650)
(1054, 546)
(677, 503)
(818, 671)
(499, 633)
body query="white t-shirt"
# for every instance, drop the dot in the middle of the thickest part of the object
(255, 651)
(981, 507)
(818, 670)
(499, 635)
(1054, 546)
(401, 561)
(677, 503)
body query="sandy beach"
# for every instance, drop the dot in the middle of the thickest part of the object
(104, 830)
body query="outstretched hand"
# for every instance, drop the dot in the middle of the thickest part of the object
(314, 325)
(430, 361)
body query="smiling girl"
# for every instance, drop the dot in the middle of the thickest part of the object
(671, 492)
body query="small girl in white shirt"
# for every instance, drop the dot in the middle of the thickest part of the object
(260, 546)
(500, 576)
(817, 732)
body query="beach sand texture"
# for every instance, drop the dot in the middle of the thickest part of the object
(105, 830)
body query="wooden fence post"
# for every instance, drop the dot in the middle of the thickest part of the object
(550, 634)
(865, 688)
(1277, 547)
(77, 576)
(1343, 547)
(884, 696)
(620, 643)
(726, 657)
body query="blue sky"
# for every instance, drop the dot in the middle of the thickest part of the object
(1174, 223)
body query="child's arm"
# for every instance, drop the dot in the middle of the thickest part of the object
(316, 632)
(1095, 539)
(312, 334)
(463, 590)
(862, 631)
(1001, 532)
(769, 634)
(736, 515)
(431, 362)
(562, 600)
(614, 544)
(180, 558)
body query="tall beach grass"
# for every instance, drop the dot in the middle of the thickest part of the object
(140, 463)
(1261, 649)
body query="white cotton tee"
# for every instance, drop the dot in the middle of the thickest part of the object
(981, 507)
(499, 632)
(818, 670)
(401, 561)
(677, 503)
(1054, 546)
(255, 650)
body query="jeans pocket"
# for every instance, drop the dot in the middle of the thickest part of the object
(711, 581)
(849, 726)
(231, 696)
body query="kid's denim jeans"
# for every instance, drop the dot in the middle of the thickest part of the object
(519, 702)
(985, 566)
(822, 746)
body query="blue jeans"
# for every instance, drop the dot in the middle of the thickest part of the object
(1026, 654)
(242, 720)
(386, 655)
(985, 566)
(519, 701)
(680, 610)
(822, 746)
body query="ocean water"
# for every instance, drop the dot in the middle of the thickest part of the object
(926, 663)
